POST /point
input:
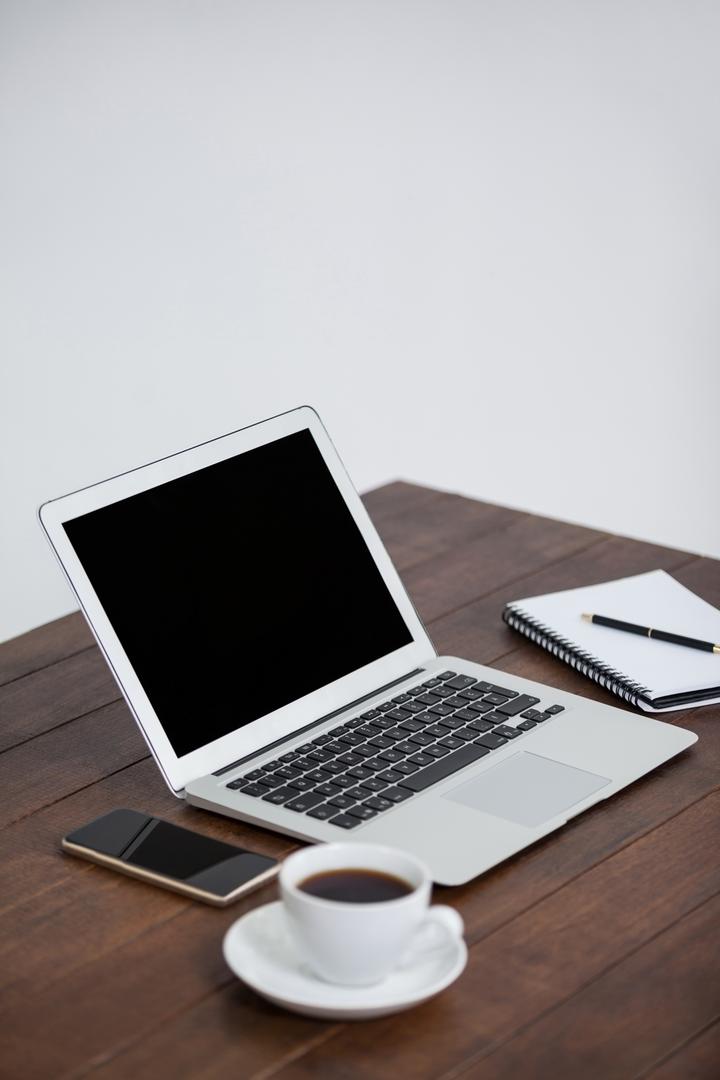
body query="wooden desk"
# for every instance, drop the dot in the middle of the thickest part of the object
(593, 954)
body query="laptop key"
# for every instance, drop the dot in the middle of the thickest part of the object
(466, 755)
(390, 756)
(360, 772)
(381, 743)
(399, 715)
(464, 714)
(495, 699)
(531, 714)
(254, 775)
(390, 775)
(411, 726)
(364, 812)
(506, 731)
(517, 705)
(351, 758)
(442, 709)
(495, 689)
(461, 681)
(318, 777)
(401, 699)
(421, 739)
(341, 802)
(288, 772)
(436, 750)
(435, 730)
(378, 804)
(451, 722)
(368, 730)
(345, 822)
(322, 813)
(344, 782)
(491, 741)
(431, 682)
(406, 767)
(396, 794)
(235, 784)
(301, 784)
(527, 725)
(374, 784)
(480, 706)
(395, 734)
(383, 723)
(254, 790)
(451, 742)
(443, 691)
(495, 717)
(414, 707)
(353, 738)
(470, 693)
(371, 714)
(466, 734)
(365, 751)
(422, 759)
(269, 781)
(322, 739)
(291, 755)
(337, 746)
(332, 767)
(447, 675)
(374, 764)
(280, 795)
(555, 709)
(327, 790)
(303, 803)
(428, 699)
(355, 722)
(456, 702)
(480, 725)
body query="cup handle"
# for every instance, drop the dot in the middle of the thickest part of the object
(441, 925)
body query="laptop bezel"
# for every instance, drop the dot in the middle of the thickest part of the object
(282, 723)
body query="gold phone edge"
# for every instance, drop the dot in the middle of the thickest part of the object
(171, 884)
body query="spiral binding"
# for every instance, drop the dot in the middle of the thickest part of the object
(584, 662)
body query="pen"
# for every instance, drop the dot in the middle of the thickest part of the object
(647, 631)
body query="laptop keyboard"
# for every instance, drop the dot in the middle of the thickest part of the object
(389, 753)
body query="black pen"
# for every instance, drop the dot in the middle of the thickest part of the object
(647, 631)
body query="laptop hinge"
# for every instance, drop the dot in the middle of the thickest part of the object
(316, 723)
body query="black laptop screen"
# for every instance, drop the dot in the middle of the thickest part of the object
(238, 588)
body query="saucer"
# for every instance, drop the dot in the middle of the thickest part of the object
(258, 949)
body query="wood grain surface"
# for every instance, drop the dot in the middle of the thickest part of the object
(595, 953)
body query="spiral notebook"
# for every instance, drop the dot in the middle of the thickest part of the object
(652, 675)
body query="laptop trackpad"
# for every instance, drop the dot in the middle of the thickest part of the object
(527, 789)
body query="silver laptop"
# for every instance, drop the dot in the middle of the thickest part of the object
(272, 659)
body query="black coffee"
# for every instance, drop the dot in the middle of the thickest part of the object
(356, 886)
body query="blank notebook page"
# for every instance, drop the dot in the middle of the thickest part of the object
(655, 600)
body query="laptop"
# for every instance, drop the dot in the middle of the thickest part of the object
(280, 674)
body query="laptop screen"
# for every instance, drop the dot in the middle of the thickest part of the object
(238, 588)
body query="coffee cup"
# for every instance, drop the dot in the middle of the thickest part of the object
(358, 942)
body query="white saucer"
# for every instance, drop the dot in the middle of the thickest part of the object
(258, 949)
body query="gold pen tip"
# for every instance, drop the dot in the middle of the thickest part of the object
(716, 649)
(586, 617)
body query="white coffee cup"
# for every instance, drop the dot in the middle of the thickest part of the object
(358, 944)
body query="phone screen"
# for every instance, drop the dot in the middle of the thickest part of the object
(171, 851)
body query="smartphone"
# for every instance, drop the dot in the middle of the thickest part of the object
(154, 850)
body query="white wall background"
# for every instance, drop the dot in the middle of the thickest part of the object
(483, 238)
